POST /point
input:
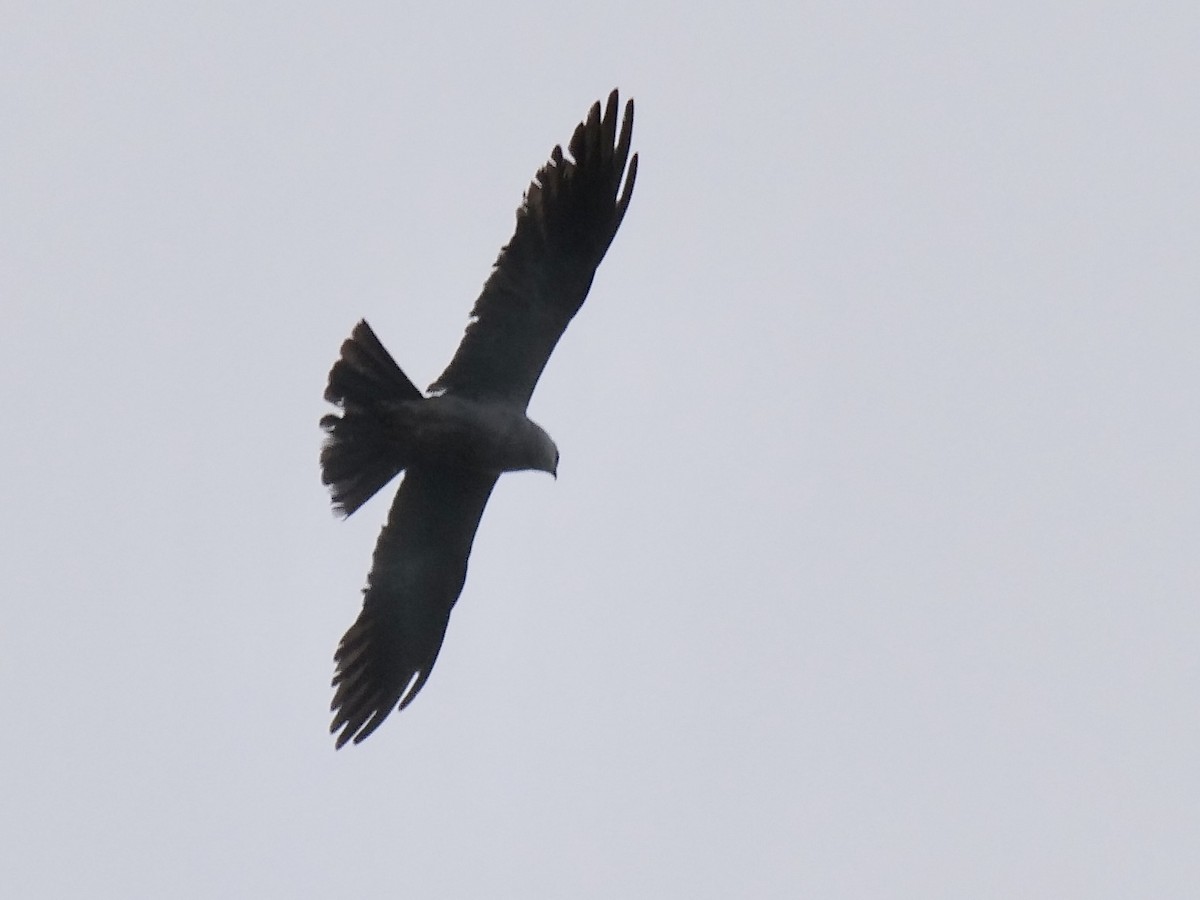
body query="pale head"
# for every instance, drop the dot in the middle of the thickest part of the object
(543, 453)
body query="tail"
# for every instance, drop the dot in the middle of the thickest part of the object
(359, 455)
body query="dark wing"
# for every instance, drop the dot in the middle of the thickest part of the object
(417, 573)
(569, 216)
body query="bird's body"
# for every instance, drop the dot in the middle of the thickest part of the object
(457, 432)
(453, 445)
(485, 437)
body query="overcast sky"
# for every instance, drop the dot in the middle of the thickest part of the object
(871, 568)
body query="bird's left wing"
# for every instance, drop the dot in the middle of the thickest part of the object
(418, 571)
(569, 217)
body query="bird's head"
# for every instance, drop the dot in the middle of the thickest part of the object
(545, 452)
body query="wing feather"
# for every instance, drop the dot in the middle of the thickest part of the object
(566, 223)
(418, 571)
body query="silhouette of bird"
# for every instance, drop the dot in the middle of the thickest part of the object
(453, 444)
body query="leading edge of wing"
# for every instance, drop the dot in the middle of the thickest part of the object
(565, 224)
(417, 574)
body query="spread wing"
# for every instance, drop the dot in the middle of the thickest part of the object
(417, 573)
(568, 219)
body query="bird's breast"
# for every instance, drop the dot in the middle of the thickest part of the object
(470, 434)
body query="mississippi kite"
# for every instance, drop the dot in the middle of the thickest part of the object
(453, 444)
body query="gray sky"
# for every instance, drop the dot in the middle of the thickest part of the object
(871, 567)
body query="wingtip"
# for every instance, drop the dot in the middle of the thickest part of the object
(610, 117)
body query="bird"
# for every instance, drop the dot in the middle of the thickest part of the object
(453, 442)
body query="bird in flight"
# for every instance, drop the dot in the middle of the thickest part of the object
(453, 444)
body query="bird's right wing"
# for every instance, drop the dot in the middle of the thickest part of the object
(418, 571)
(570, 215)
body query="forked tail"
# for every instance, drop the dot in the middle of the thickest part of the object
(359, 455)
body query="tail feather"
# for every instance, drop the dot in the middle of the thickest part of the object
(360, 454)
